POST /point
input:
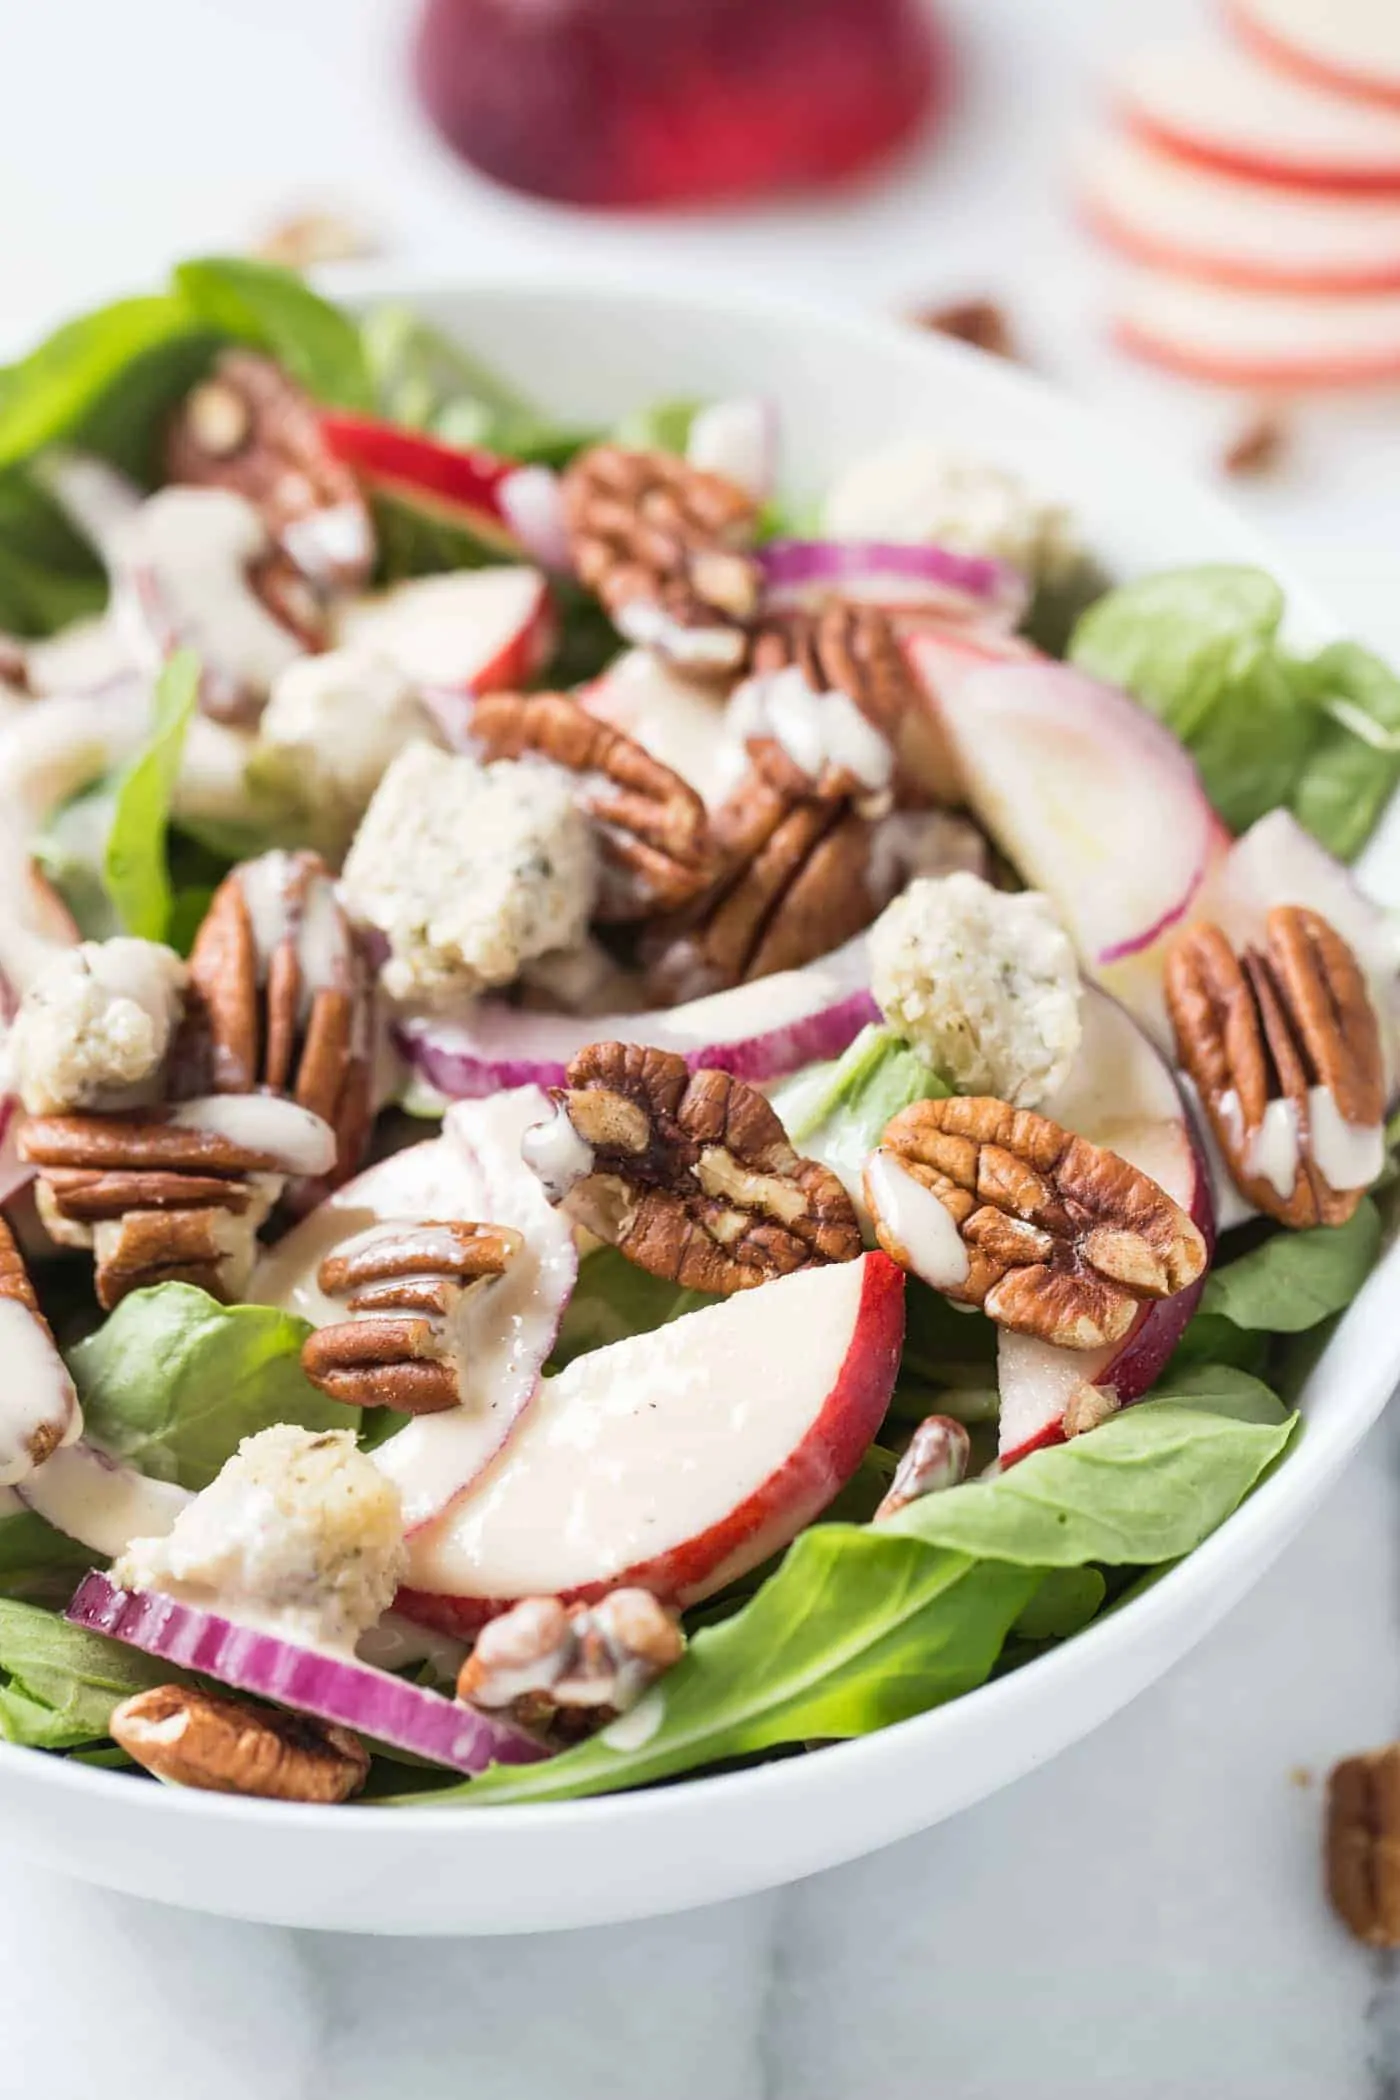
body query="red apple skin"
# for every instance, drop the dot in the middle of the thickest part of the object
(1235, 273)
(780, 1507)
(642, 103)
(458, 486)
(1286, 174)
(1376, 369)
(1306, 65)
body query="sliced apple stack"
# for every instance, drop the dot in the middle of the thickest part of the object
(1255, 185)
(676, 1460)
(1120, 1094)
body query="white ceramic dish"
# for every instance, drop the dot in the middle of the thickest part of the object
(843, 383)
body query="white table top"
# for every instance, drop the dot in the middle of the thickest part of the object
(1142, 1918)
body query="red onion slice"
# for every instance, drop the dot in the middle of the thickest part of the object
(757, 1031)
(902, 576)
(332, 1687)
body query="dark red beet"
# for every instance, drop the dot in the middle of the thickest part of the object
(649, 102)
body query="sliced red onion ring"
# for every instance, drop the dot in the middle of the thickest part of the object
(903, 577)
(331, 1687)
(757, 1031)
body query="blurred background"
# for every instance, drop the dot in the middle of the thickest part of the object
(896, 154)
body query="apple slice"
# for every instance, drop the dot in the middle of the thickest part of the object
(1162, 210)
(474, 630)
(1351, 45)
(473, 1172)
(512, 509)
(1120, 1094)
(676, 1460)
(943, 659)
(1225, 337)
(1092, 800)
(1222, 105)
(678, 721)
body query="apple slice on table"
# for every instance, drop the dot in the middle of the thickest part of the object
(1122, 1095)
(1350, 45)
(513, 509)
(1221, 105)
(1163, 211)
(1092, 800)
(675, 1460)
(471, 631)
(472, 1172)
(1225, 337)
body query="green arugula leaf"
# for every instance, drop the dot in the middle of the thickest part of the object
(59, 1683)
(1355, 762)
(1148, 1485)
(263, 304)
(857, 1629)
(135, 871)
(1295, 1279)
(173, 1381)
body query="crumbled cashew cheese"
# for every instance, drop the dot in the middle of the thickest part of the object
(921, 492)
(470, 871)
(300, 1534)
(984, 982)
(94, 1026)
(334, 725)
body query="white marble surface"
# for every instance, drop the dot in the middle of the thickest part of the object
(1142, 1918)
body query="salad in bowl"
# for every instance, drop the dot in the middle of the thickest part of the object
(652, 1119)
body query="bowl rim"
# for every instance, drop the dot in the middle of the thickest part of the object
(1263, 1521)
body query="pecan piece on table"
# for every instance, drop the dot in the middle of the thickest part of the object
(251, 429)
(652, 828)
(281, 997)
(689, 1174)
(224, 1745)
(1052, 1236)
(160, 1197)
(40, 1406)
(665, 546)
(546, 1663)
(1362, 1845)
(403, 1284)
(1284, 1047)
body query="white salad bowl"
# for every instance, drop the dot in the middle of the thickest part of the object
(843, 384)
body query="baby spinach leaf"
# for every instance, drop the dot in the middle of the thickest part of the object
(662, 426)
(612, 1299)
(1294, 1280)
(837, 1112)
(1355, 762)
(49, 575)
(59, 1683)
(1148, 1485)
(135, 870)
(425, 379)
(1222, 1389)
(172, 1381)
(39, 1565)
(51, 393)
(858, 1628)
(1182, 642)
(275, 309)
(1065, 1602)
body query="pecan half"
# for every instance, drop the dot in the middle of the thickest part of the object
(936, 1457)
(652, 828)
(403, 1284)
(39, 1408)
(1363, 1844)
(249, 428)
(664, 545)
(543, 1660)
(1284, 1046)
(689, 1174)
(281, 996)
(229, 1746)
(155, 1198)
(1051, 1235)
(843, 649)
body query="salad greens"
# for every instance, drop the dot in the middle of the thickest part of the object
(862, 1627)
(59, 1684)
(1201, 648)
(135, 870)
(173, 1381)
(49, 576)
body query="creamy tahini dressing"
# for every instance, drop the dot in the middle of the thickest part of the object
(636, 1449)
(314, 921)
(679, 722)
(914, 1217)
(635, 1729)
(100, 1503)
(814, 729)
(297, 1140)
(36, 1392)
(189, 551)
(1347, 1155)
(556, 1153)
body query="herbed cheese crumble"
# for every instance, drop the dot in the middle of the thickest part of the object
(985, 982)
(93, 1028)
(470, 871)
(921, 492)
